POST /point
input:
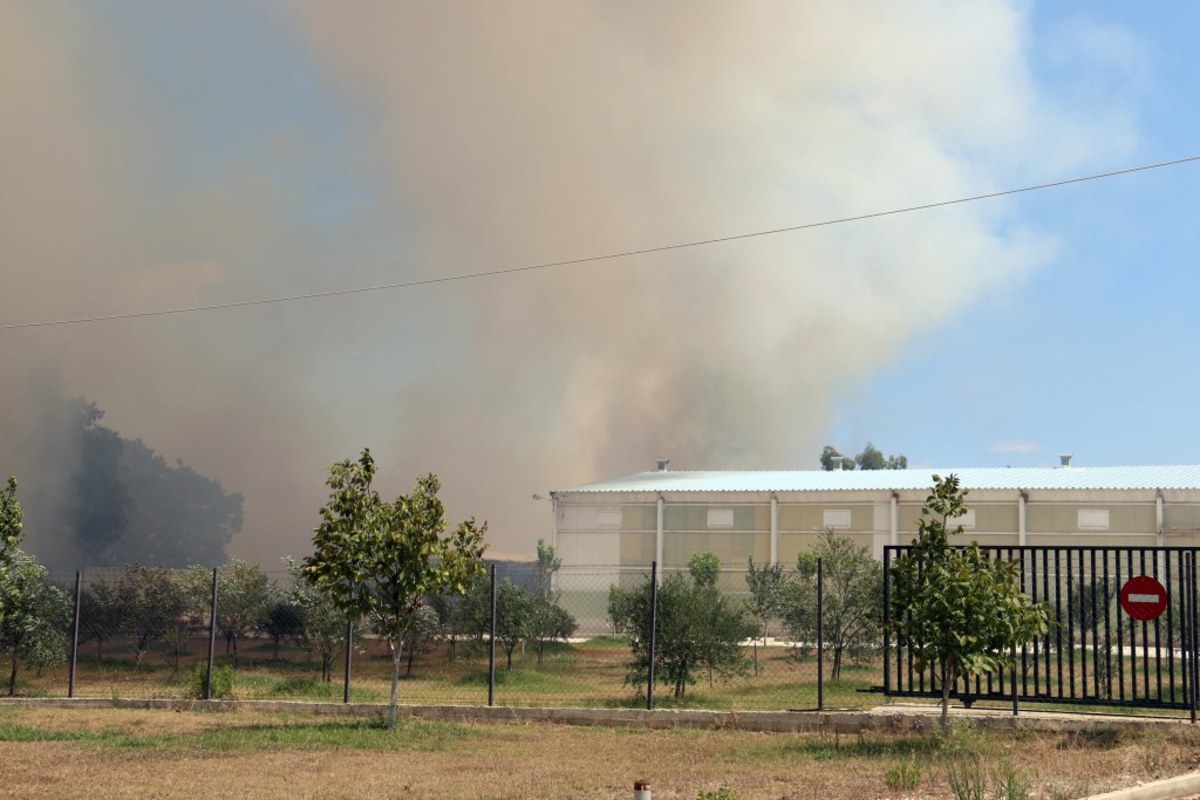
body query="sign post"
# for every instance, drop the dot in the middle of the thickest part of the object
(1143, 598)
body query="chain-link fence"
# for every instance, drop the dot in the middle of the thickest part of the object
(595, 637)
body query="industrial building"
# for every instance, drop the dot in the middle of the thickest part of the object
(666, 516)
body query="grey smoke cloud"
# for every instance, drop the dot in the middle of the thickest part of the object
(497, 135)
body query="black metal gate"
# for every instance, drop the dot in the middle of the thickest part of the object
(1095, 653)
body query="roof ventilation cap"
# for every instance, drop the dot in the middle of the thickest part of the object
(662, 464)
(1065, 458)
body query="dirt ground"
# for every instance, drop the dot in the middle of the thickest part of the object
(53, 753)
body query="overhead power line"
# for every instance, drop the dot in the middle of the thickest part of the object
(589, 259)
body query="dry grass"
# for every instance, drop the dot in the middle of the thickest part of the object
(126, 753)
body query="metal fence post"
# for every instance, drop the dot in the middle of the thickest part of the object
(492, 645)
(1193, 668)
(820, 634)
(349, 650)
(74, 636)
(212, 639)
(653, 634)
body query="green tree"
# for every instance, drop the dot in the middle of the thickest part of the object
(832, 460)
(958, 612)
(515, 610)
(766, 584)
(145, 603)
(698, 629)
(382, 560)
(243, 599)
(853, 588)
(281, 622)
(11, 531)
(547, 564)
(872, 458)
(322, 628)
(38, 614)
(705, 569)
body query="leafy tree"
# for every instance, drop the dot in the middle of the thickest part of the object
(832, 460)
(550, 622)
(420, 634)
(705, 569)
(958, 612)
(322, 626)
(98, 610)
(767, 584)
(515, 610)
(282, 621)
(698, 629)
(381, 560)
(100, 498)
(146, 603)
(243, 600)
(547, 564)
(11, 530)
(853, 584)
(37, 617)
(872, 458)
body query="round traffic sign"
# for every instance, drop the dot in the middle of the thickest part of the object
(1143, 598)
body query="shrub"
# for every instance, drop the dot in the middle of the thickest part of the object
(222, 681)
(903, 776)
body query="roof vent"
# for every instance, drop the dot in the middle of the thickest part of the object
(1065, 458)
(662, 464)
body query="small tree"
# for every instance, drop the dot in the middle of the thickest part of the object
(146, 602)
(11, 529)
(381, 560)
(243, 599)
(322, 626)
(853, 584)
(959, 612)
(515, 608)
(282, 621)
(546, 565)
(698, 629)
(37, 616)
(766, 585)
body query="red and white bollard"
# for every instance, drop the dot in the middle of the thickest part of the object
(641, 790)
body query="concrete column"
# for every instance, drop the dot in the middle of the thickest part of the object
(774, 529)
(1022, 498)
(894, 520)
(658, 538)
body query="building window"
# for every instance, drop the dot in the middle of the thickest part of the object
(720, 518)
(608, 518)
(1093, 519)
(836, 518)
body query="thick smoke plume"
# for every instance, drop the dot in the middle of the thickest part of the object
(487, 136)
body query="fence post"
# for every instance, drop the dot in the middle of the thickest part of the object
(349, 650)
(1014, 679)
(820, 634)
(653, 634)
(492, 645)
(212, 639)
(74, 637)
(886, 615)
(1193, 669)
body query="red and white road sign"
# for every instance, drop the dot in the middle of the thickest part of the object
(1143, 598)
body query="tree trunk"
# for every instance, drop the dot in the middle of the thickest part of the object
(947, 682)
(394, 702)
(836, 672)
(12, 679)
(235, 658)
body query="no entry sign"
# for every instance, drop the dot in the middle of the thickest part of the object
(1143, 598)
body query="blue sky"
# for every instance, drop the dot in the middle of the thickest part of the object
(172, 155)
(1094, 353)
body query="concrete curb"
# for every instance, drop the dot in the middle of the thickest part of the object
(1166, 789)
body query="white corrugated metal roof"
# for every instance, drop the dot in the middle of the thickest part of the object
(1185, 476)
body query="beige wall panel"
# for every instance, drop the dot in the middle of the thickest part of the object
(1090, 539)
(1182, 539)
(792, 544)
(637, 549)
(695, 517)
(1181, 517)
(1045, 518)
(734, 549)
(639, 518)
(996, 517)
(811, 517)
